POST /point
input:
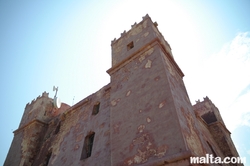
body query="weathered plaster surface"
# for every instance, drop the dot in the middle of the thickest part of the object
(145, 116)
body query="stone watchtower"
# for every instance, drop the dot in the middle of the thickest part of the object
(142, 117)
(151, 116)
(29, 137)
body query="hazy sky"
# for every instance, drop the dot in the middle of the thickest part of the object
(66, 43)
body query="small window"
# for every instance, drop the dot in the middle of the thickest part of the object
(130, 46)
(96, 108)
(88, 145)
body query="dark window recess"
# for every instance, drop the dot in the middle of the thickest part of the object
(58, 128)
(130, 46)
(96, 108)
(87, 146)
(47, 158)
(209, 117)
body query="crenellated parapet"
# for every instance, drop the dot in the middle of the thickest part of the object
(123, 33)
(204, 99)
(142, 117)
(132, 26)
(207, 111)
(44, 94)
(39, 108)
(210, 115)
(204, 106)
(142, 37)
(113, 41)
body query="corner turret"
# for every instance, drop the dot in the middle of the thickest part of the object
(29, 136)
(210, 114)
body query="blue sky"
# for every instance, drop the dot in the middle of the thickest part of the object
(67, 44)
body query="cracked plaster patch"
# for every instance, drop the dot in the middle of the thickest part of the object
(146, 34)
(141, 128)
(148, 52)
(148, 120)
(136, 30)
(148, 64)
(114, 102)
(162, 104)
(128, 93)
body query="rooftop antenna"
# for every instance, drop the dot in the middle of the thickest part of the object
(73, 100)
(57, 102)
(55, 89)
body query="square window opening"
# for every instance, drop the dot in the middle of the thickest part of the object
(88, 145)
(130, 46)
(96, 108)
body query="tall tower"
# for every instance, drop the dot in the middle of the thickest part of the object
(142, 117)
(29, 137)
(151, 116)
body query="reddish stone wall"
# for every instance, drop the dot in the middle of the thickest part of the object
(145, 116)
(144, 119)
(183, 109)
(144, 125)
(28, 137)
(75, 124)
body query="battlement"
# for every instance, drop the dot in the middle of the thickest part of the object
(140, 36)
(44, 94)
(132, 26)
(40, 108)
(207, 110)
(199, 105)
(142, 117)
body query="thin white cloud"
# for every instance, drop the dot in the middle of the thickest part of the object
(225, 78)
(246, 119)
(228, 71)
(245, 91)
(248, 152)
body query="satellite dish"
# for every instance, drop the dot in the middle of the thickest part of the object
(57, 102)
